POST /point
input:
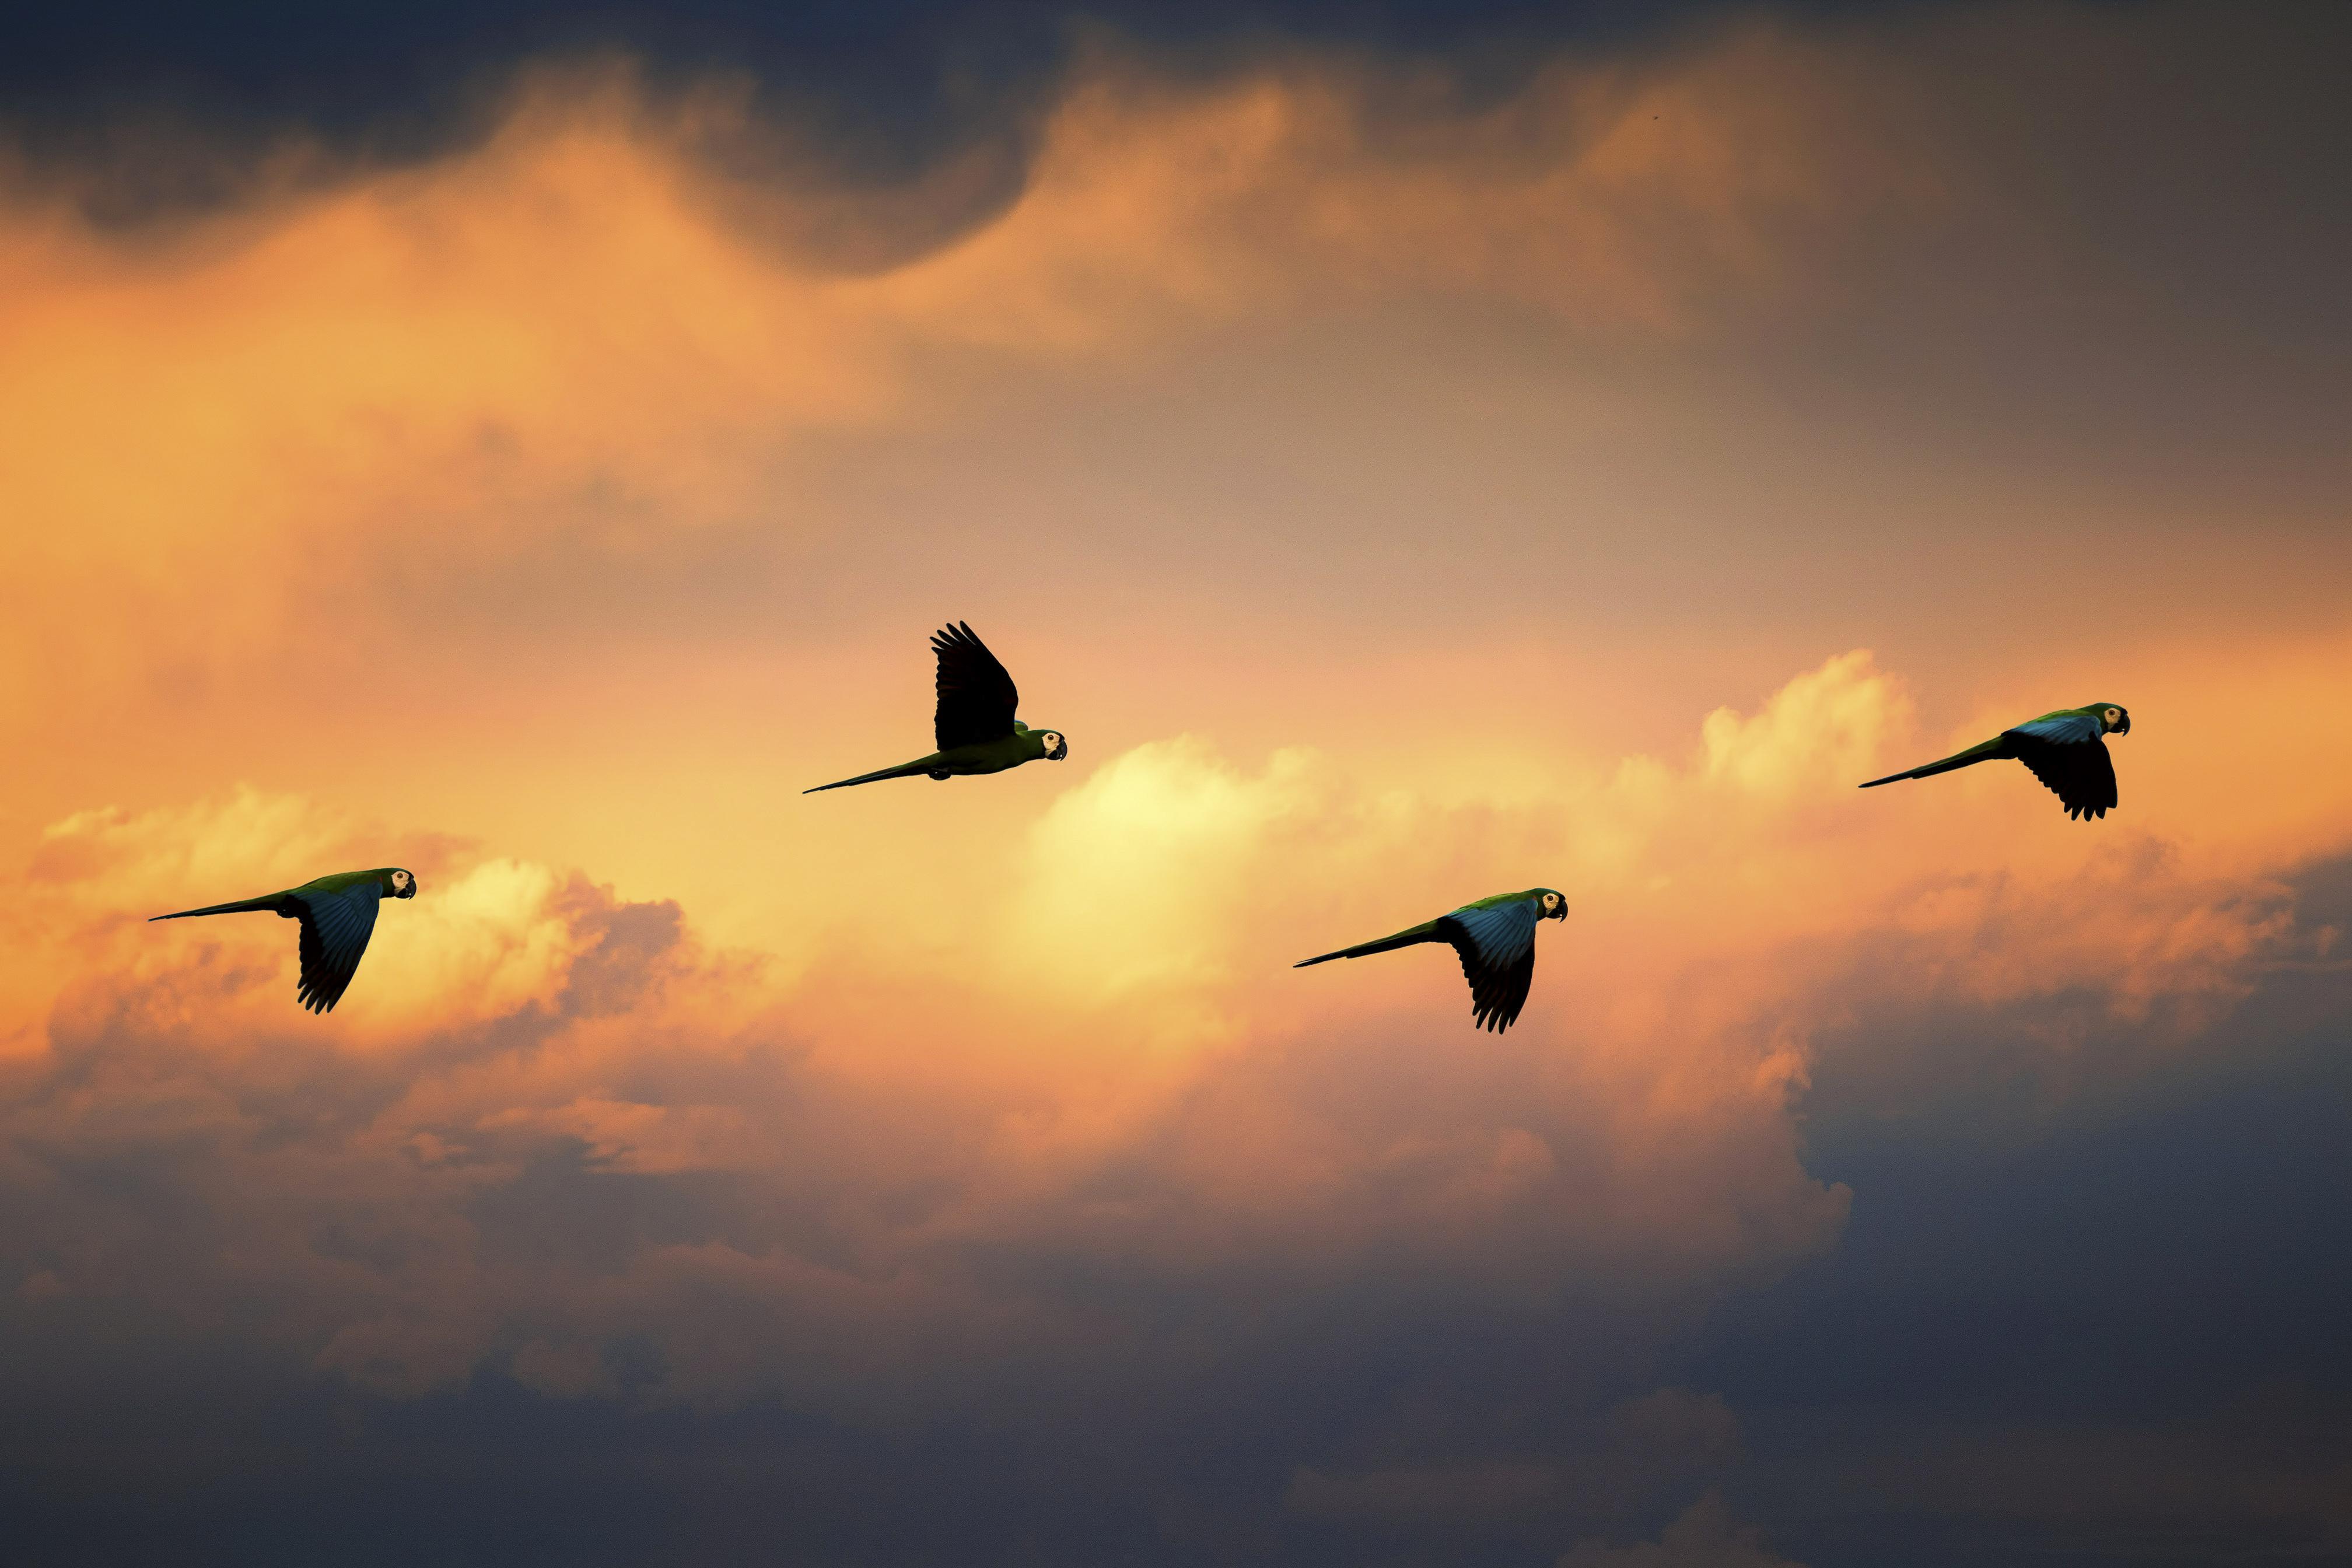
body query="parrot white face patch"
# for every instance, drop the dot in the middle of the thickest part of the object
(2113, 715)
(400, 880)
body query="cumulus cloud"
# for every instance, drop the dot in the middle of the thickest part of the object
(1151, 859)
(1818, 731)
(558, 1137)
(1130, 1083)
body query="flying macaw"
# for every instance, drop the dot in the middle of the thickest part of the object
(337, 916)
(974, 725)
(1496, 941)
(2063, 749)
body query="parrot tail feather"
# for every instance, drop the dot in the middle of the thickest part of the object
(905, 771)
(1985, 752)
(1386, 944)
(242, 906)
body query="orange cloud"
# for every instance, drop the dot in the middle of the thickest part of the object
(1125, 1067)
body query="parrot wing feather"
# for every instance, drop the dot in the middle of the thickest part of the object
(2080, 772)
(1497, 949)
(977, 698)
(2067, 728)
(335, 931)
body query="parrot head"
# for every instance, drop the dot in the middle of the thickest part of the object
(2113, 719)
(1057, 747)
(1555, 908)
(404, 886)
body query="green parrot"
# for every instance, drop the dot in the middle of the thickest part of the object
(2063, 749)
(1496, 941)
(337, 916)
(974, 725)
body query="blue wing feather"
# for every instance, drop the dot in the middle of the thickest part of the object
(1503, 932)
(335, 931)
(2063, 728)
(1497, 948)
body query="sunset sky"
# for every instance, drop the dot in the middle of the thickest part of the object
(1414, 452)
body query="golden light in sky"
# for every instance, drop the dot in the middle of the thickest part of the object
(1400, 489)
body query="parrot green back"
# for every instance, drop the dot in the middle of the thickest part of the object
(1527, 896)
(993, 756)
(281, 903)
(336, 883)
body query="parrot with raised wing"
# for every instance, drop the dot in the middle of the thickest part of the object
(2066, 749)
(1496, 940)
(973, 727)
(337, 916)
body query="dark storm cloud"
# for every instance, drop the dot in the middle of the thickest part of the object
(153, 109)
(2076, 1308)
(341, 67)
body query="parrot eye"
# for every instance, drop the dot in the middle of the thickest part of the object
(2114, 714)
